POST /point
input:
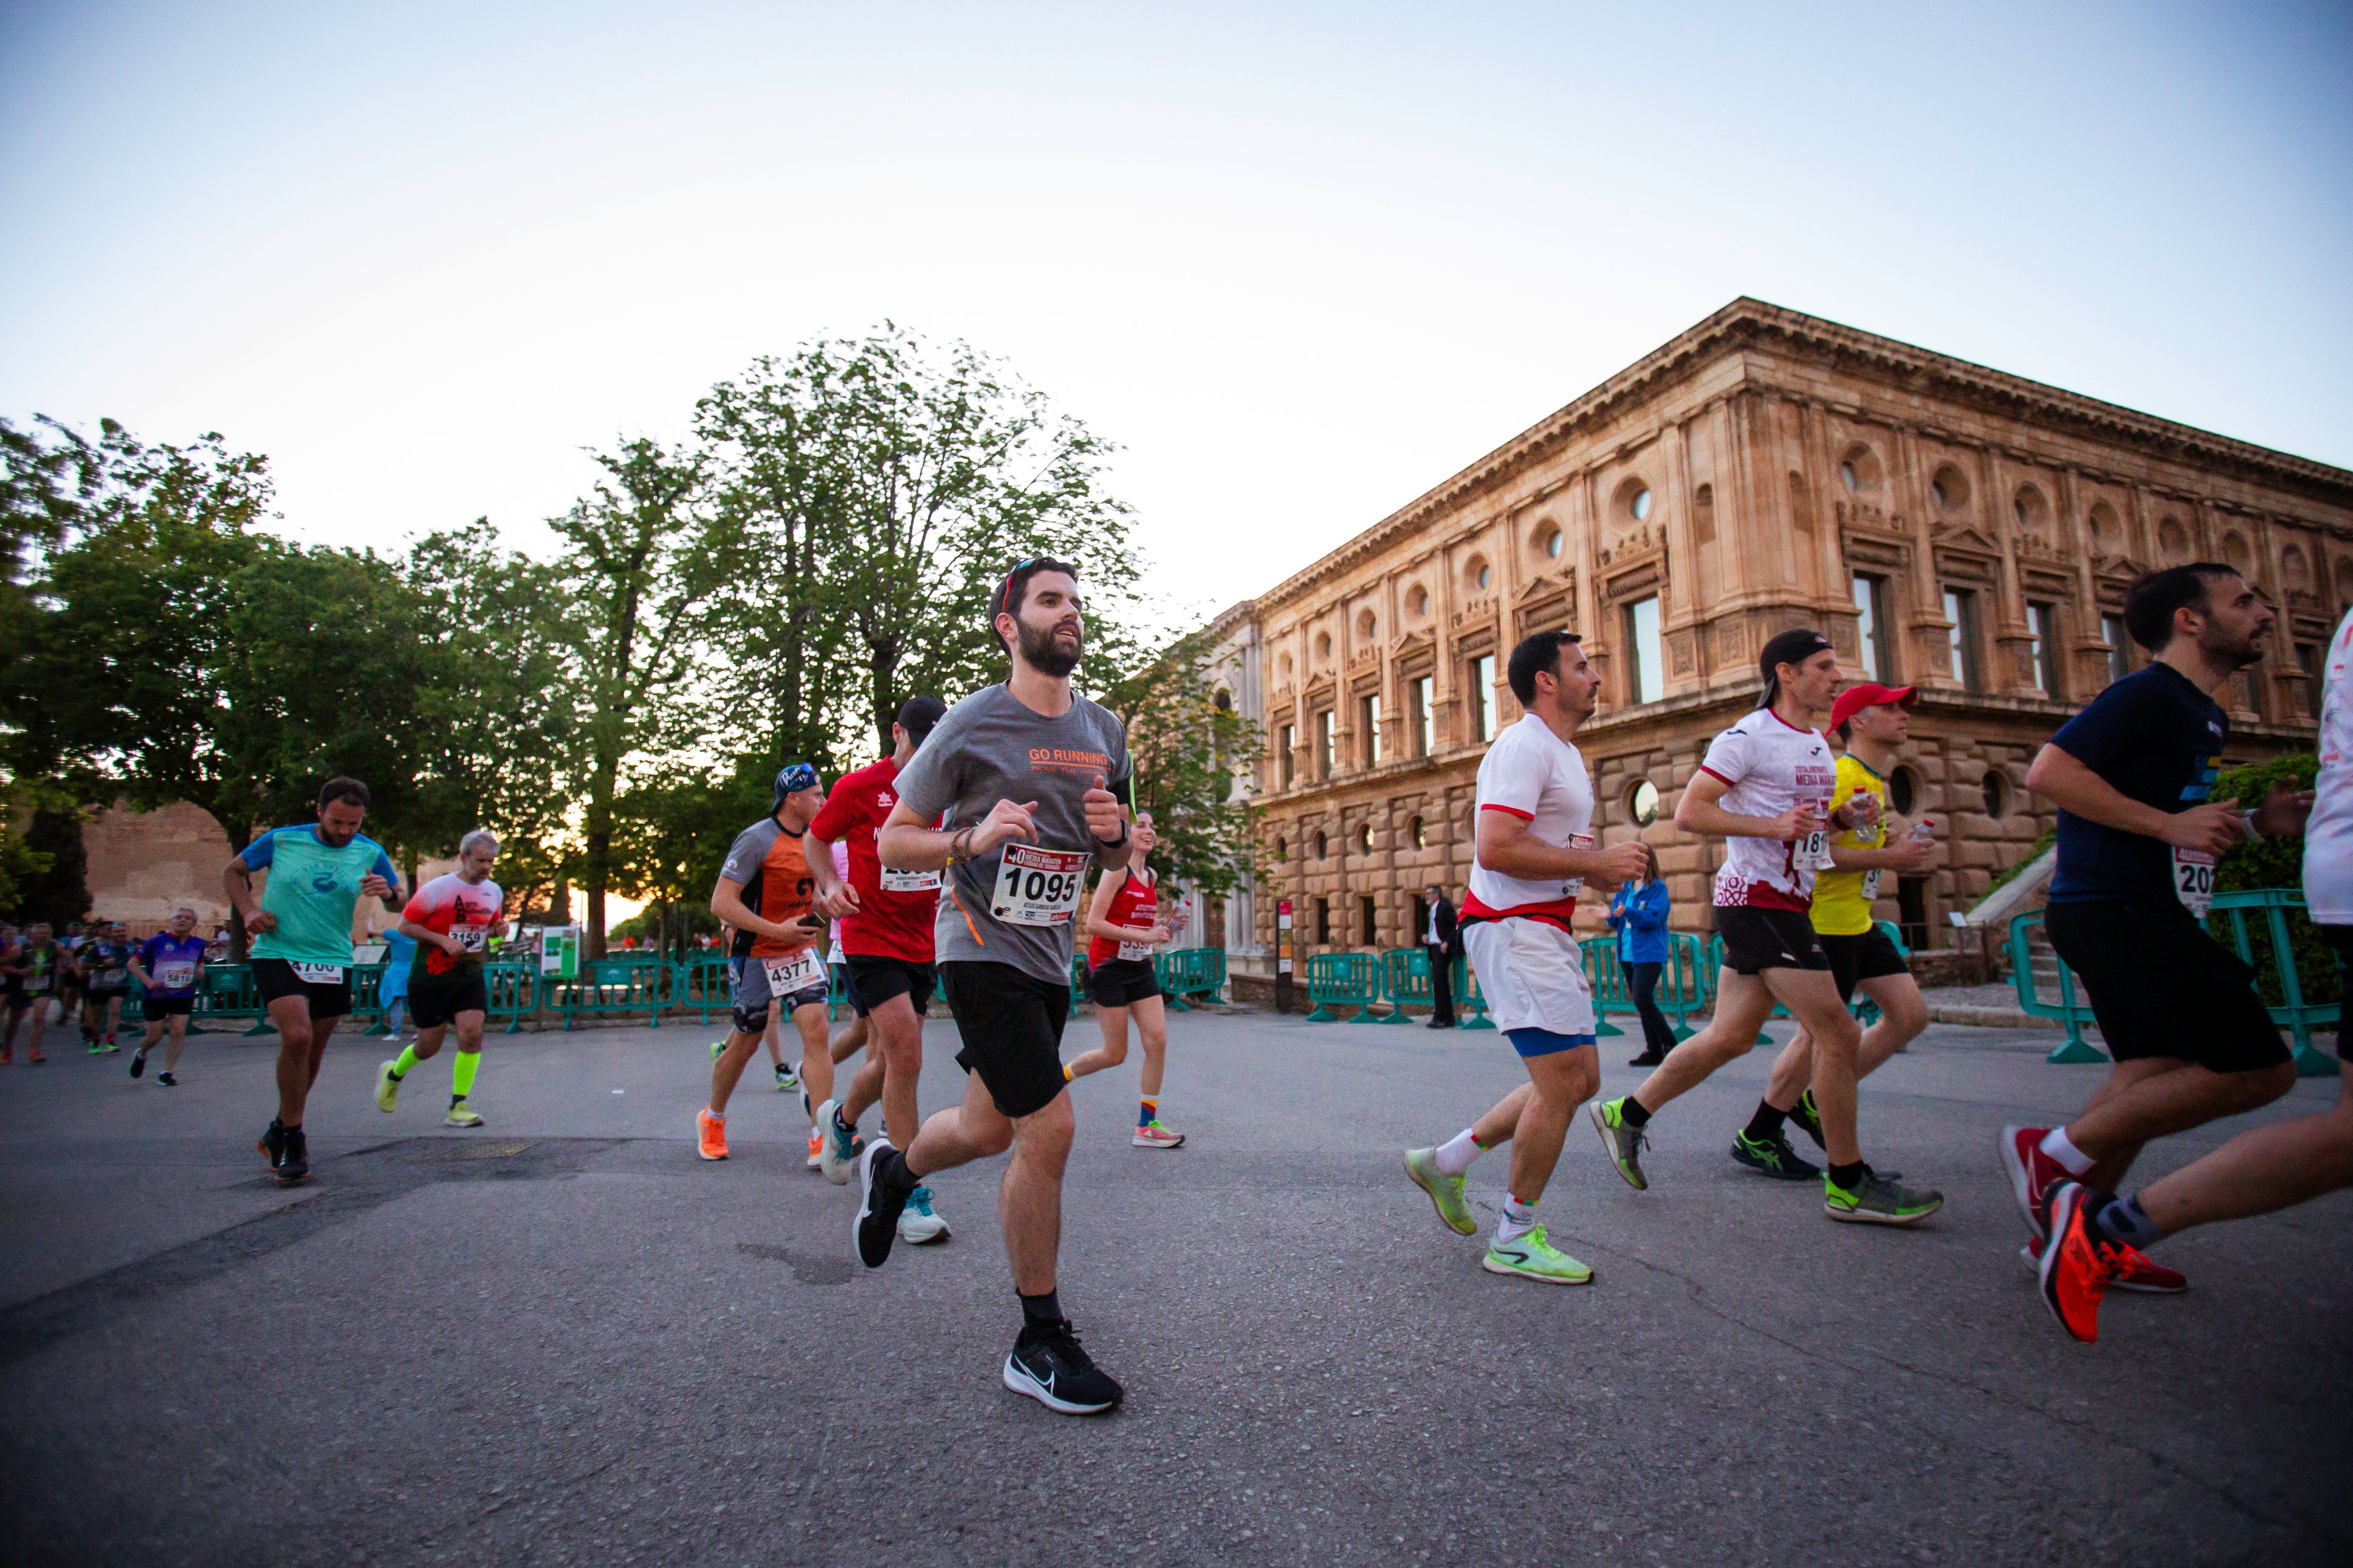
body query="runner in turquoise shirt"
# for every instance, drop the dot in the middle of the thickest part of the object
(302, 946)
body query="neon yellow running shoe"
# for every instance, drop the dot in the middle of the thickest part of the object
(1624, 1143)
(1445, 1192)
(1534, 1257)
(461, 1115)
(387, 1089)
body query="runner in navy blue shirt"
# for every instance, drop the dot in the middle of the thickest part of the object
(2138, 838)
(168, 966)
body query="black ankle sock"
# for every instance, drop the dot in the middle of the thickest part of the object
(1848, 1176)
(1632, 1113)
(894, 1178)
(1766, 1125)
(1038, 1311)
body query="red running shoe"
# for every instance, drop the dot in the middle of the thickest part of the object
(2076, 1270)
(2135, 1270)
(2032, 1172)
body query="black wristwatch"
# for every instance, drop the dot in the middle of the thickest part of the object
(1118, 843)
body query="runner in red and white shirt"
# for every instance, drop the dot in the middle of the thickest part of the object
(886, 942)
(1534, 849)
(451, 920)
(1124, 927)
(1766, 786)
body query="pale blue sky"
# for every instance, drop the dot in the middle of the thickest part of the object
(1301, 262)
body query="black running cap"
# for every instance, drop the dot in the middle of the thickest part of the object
(918, 714)
(1795, 646)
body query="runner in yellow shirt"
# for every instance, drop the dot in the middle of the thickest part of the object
(1872, 722)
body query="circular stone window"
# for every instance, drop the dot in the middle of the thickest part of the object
(1324, 647)
(1417, 600)
(1421, 833)
(1481, 575)
(1367, 625)
(1997, 793)
(1903, 791)
(1849, 478)
(1553, 543)
(1642, 802)
(1640, 506)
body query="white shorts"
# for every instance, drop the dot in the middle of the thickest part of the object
(1531, 975)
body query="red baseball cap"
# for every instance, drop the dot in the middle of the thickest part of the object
(1855, 698)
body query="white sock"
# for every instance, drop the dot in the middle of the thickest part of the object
(1518, 1219)
(1454, 1155)
(2058, 1147)
(714, 1115)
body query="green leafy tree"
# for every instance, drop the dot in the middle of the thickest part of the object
(1184, 742)
(497, 718)
(645, 561)
(2274, 862)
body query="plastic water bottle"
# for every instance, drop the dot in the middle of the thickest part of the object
(1923, 830)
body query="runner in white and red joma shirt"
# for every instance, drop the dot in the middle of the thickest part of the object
(886, 943)
(451, 920)
(1767, 786)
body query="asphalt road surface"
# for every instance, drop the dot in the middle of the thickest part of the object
(563, 1338)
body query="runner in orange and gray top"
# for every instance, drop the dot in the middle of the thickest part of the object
(767, 895)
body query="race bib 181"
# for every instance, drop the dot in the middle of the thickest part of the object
(1038, 886)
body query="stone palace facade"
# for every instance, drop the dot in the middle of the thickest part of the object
(1948, 526)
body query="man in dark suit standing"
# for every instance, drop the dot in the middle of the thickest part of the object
(1442, 940)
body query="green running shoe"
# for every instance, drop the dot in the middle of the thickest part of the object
(1533, 1257)
(1876, 1200)
(387, 1088)
(1445, 1192)
(1772, 1157)
(1625, 1143)
(1809, 1119)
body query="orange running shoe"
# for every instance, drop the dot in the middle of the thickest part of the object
(35, 1055)
(711, 1135)
(2135, 1270)
(817, 1150)
(8, 1057)
(2077, 1269)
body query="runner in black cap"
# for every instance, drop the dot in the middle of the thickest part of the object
(1767, 786)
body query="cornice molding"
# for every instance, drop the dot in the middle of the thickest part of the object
(1748, 324)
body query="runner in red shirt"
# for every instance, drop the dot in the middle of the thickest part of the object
(886, 942)
(1126, 924)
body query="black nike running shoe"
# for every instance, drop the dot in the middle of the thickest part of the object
(878, 1211)
(272, 1142)
(1049, 1365)
(293, 1158)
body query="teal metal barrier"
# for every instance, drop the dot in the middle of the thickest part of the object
(367, 981)
(1470, 997)
(226, 994)
(2073, 1009)
(1342, 980)
(1078, 977)
(701, 985)
(2295, 1014)
(610, 985)
(1405, 977)
(1864, 1009)
(513, 988)
(1681, 990)
(1196, 972)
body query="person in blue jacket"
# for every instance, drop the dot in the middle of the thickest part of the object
(1637, 913)
(400, 951)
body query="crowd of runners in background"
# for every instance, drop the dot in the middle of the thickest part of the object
(998, 831)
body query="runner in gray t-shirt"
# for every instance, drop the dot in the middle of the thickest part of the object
(1032, 779)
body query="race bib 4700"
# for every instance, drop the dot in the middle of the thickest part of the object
(319, 973)
(1038, 886)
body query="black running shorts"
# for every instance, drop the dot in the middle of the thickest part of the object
(167, 1006)
(1756, 940)
(1011, 1024)
(873, 981)
(435, 1000)
(2340, 942)
(1116, 982)
(2161, 987)
(1866, 955)
(275, 977)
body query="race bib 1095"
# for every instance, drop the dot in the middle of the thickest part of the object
(1038, 886)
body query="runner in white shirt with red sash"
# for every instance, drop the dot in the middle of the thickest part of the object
(1536, 847)
(1766, 786)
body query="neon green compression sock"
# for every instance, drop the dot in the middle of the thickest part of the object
(461, 1073)
(406, 1060)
